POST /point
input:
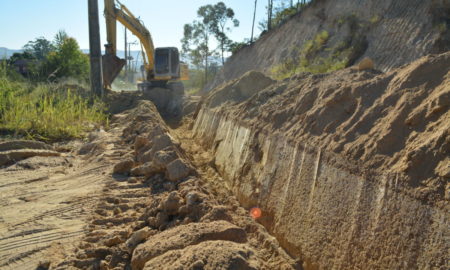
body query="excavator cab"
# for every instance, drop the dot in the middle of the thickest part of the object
(167, 66)
(167, 63)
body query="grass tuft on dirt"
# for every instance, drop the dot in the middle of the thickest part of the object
(43, 111)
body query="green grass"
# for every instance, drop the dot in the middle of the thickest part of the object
(316, 66)
(192, 91)
(318, 56)
(442, 27)
(375, 19)
(308, 61)
(48, 112)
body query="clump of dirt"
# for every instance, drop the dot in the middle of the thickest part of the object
(159, 213)
(395, 122)
(238, 90)
(16, 150)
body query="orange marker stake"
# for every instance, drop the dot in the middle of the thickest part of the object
(255, 212)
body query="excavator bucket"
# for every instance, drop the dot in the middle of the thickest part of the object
(112, 65)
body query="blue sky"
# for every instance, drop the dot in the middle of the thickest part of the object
(24, 20)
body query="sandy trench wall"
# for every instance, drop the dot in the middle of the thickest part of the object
(400, 32)
(320, 211)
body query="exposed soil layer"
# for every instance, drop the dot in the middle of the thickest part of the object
(382, 122)
(45, 200)
(161, 212)
(392, 33)
(350, 168)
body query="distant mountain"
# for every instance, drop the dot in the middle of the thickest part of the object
(6, 53)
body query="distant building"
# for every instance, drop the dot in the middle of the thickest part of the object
(21, 66)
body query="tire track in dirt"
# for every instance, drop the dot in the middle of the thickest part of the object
(46, 209)
(41, 207)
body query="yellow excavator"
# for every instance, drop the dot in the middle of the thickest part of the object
(162, 67)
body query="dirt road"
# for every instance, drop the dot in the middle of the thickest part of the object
(45, 202)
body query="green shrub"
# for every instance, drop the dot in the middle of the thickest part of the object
(442, 27)
(321, 38)
(375, 19)
(67, 61)
(193, 91)
(237, 46)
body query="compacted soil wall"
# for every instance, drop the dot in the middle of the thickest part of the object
(321, 210)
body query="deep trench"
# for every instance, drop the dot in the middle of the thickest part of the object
(321, 211)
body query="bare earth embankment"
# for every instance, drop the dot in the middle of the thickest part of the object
(350, 169)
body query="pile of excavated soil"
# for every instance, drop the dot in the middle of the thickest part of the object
(160, 213)
(238, 90)
(395, 122)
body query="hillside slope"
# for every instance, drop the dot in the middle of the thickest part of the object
(391, 32)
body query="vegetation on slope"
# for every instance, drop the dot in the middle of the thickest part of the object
(319, 55)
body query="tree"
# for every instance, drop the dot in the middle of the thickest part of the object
(26, 64)
(67, 61)
(40, 47)
(195, 44)
(280, 13)
(215, 18)
(60, 37)
(21, 56)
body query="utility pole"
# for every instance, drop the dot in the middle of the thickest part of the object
(126, 54)
(95, 51)
(253, 24)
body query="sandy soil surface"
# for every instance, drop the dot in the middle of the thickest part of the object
(45, 201)
(144, 196)
(139, 196)
(394, 122)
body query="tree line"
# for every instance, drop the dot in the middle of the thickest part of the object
(46, 60)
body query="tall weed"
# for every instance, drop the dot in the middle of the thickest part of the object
(47, 111)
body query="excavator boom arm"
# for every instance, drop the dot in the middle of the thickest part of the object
(125, 17)
(161, 64)
(139, 30)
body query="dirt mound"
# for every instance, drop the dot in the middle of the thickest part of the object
(16, 150)
(186, 235)
(157, 215)
(238, 90)
(23, 144)
(210, 255)
(396, 122)
(168, 102)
